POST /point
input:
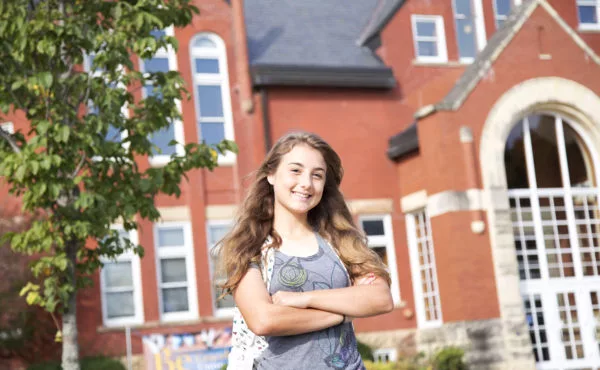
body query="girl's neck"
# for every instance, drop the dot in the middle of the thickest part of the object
(289, 225)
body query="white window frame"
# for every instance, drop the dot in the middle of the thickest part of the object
(413, 249)
(440, 38)
(185, 251)
(134, 259)
(87, 66)
(162, 159)
(221, 79)
(388, 240)
(385, 355)
(218, 312)
(588, 26)
(479, 28)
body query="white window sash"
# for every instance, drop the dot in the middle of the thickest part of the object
(218, 312)
(187, 253)
(589, 26)
(178, 132)
(478, 27)
(386, 240)
(439, 39)
(416, 267)
(136, 288)
(221, 79)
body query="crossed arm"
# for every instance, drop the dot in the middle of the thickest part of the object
(290, 313)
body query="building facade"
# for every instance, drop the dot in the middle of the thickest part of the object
(469, 131)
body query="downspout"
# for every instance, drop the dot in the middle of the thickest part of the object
(264, 102)
(468, 148)
(241, 56)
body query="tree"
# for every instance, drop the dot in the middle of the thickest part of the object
(65, 167)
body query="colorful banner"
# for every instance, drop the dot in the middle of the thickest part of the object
(205, 350)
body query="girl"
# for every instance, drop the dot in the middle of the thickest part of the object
(323, 272)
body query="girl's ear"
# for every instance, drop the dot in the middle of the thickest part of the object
(270, 179)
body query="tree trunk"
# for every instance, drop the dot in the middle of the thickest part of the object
(70, 348)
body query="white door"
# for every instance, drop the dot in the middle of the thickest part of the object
(555, 215)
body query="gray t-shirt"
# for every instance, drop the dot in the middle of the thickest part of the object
(331, 348)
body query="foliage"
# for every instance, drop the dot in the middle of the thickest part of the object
(65, 165)
(366, 352)
(449, 358)
(88, 363)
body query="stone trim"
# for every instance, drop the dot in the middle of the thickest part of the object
(370, 206)
(179, 213)
(221, 212)
(413, 201)
(455, 201)
(554, 94)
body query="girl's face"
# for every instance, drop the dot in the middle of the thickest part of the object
(299, 180)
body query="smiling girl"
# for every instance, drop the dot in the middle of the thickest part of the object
(323, 273)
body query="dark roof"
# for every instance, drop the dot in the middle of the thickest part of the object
(403, 143)
(383, 13)
(311, 35)
(486, 57)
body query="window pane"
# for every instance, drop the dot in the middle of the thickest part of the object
(158, 34)
(465, 31)
(119, 304)
(502, 7)
(463, 7)
(156, 65)
(173, 270)
(161, 139)
(207, 65)
(113, 134)
(545, 151)
(175, 300)
(204, 42)
(170, 237)
(226, 302)
(427, 49)
(587, 14)
(117, 274)
(373, 227)
(211, 104)
(514, 159)
(425, 28)
(212, 132)
(217, 232)
(578, 159)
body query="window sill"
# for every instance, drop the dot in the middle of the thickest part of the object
(450, 64)
(589, 28)
(163, 324)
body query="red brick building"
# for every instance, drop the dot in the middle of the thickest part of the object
(469, 134)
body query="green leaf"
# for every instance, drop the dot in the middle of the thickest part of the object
(32, 297)
(17, 84)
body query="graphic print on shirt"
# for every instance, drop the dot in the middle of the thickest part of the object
(336, 343)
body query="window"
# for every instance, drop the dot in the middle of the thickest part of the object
(423, 268)
(121, 288)
(470, 29)
(429, 38)
(501, 11)
(164, 60)
(216, 232)
(176, 271)
(378, 229)
(211, 89)
(385, 355)
(112, 133)
(589, 14)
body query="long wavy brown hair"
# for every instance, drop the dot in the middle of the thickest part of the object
(331, 218)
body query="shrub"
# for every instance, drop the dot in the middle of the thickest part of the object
(370, 365)
(366, 352)
(449, 358)
(88, 363)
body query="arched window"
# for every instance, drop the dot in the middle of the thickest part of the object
(211, 88)
(555, 214)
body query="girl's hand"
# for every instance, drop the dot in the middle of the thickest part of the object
(291, 299)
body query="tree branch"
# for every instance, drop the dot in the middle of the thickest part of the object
(79, 166)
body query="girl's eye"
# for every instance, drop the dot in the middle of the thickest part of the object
(295, 170)
(318, 176)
